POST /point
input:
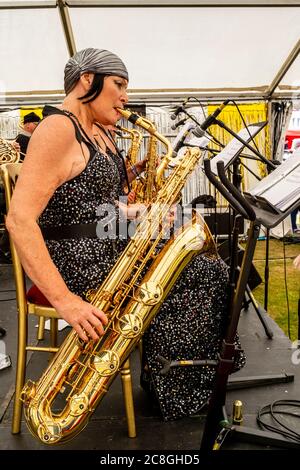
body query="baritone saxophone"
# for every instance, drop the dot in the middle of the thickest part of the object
(80, 373)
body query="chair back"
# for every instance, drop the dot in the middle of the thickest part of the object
(9, 173)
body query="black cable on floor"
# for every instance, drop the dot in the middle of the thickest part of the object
(280, 427)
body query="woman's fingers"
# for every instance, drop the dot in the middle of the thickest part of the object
(93, 322)
(87, 320)
(101, 315)
(81, 333)
(90, 330)
(131, 197)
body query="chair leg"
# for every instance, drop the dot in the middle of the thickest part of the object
(53, 332)
(128, 398)
(41, 328)
(20, 370)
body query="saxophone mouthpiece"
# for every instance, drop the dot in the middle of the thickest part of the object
(125, 112)
(138, 120)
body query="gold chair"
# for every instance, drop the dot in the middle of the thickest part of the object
(9, 173)
(8, 154)
(42, 309)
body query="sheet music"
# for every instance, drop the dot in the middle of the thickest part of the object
(281, 188)
(235, 146)
(280, 172)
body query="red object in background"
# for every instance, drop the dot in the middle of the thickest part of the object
(35, 296)
(289, 137)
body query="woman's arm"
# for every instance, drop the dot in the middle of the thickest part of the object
(134, 171)
(53, 157)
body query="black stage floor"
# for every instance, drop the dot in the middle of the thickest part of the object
(107, 429)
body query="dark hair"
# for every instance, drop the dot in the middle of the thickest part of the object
(95, 89)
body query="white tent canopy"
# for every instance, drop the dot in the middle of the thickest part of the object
(211, 49)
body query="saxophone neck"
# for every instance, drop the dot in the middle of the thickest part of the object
(136, 138)
(126, 133)
(138, 120)
(149, 127)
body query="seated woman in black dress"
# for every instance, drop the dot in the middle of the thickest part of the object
(63, 256)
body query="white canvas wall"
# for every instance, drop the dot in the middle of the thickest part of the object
(164, 48)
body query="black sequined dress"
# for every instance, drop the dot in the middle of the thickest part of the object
(84, 262)
(190, 323)
(189, 326)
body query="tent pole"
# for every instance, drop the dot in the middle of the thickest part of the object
(283, 70)
(67, 26)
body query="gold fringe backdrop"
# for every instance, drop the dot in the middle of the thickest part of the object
(252, 113)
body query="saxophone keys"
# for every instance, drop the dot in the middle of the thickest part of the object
(73, 368)
(130, 325)
(79, 404)
(150, 293)
(49, 432)
(28, 392)
(106, 362)
(90, 295)
(117, 297)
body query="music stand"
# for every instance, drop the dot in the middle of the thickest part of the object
(257, 216)
(230, 156)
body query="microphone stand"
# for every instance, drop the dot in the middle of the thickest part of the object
(199, 125)
(237, 183)
(266, 296)
(216, 417)
(269, 164)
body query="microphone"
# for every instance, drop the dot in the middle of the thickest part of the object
(200, 130)
(179, 141)
(179, 109)
(177, 124)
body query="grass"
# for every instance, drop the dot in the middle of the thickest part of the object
(278, 294)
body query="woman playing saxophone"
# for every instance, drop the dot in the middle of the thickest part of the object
(64, 255)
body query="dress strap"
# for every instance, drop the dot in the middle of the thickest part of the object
(80, 134)
(118, 151)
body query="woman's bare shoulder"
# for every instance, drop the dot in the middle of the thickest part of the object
(50, 149)
(55, 128)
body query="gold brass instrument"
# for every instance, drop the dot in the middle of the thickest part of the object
(8, 153)
(132, 156)
(82, 372)
(149, 127)
(148, 190)
(136, 140)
